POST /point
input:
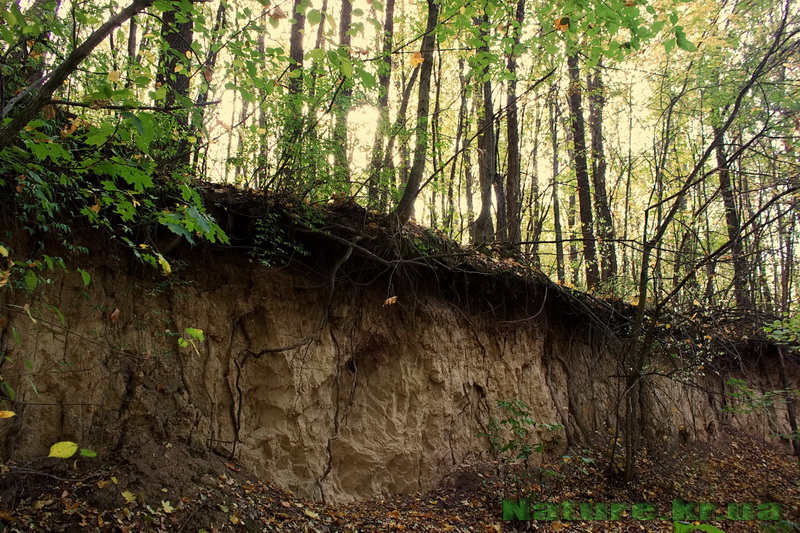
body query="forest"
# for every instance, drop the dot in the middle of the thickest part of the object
(645, 151)
(642, 154)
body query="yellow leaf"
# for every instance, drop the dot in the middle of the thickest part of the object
(114, 480)
(178, 68)
(234, 519)
(166, 269)
(7, 414)
(3, 251)
(390, 301)
(95, 208)
(63, 450)
(102, 483)
(148, 35)
(167, 506)
(189, 54)
(311, 514)
(129, 496)
(113, 75)
(416, 59)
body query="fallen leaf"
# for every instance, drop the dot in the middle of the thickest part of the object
(129, 496)
(114, 316)
(311, 514)
(63, 449)
(7, 414)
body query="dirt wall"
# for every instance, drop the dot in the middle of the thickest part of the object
(386, 397)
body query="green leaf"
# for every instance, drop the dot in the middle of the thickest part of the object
(314, 17)
(683, 42)
(317, 54)
(31, 279)
(85, 277)
(86, 452)
(63, 450)
(99, 136)
(10, 392)
(196, 334)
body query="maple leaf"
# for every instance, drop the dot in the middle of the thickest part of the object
(417, 59)
(562, 24)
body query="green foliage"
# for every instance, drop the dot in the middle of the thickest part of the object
(191, 337)
(66, 449)
(511, 436)
(750, 401)
(272, 245)
(785, 331)
(747, 400)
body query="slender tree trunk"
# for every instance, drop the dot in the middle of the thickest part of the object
(559, 236)
(469, 186)
(487, 164)
(605, 223)
(341, 170)
(208, 76)
(290, 167)
(582, 172)
(177, 31)
(535, 208)
(513, 178)
(405, 209)
(740, 272)
(384, 84)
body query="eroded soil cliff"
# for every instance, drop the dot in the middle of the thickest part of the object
(337, 376)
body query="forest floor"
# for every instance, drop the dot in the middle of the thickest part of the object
(168, 489)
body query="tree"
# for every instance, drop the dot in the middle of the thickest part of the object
(512, 127)
(487, 161)
(405, 208)
(605, 222)
(581, 171)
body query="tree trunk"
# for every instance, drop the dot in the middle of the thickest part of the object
(559, 237)
(740, 272)
(384, 84)
(177, 31)
(343, 102)
(405, 208)
(581, 172)
(487, 164)
(605, 223)
(513, 178)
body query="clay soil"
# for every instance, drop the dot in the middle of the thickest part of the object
(167, 488)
